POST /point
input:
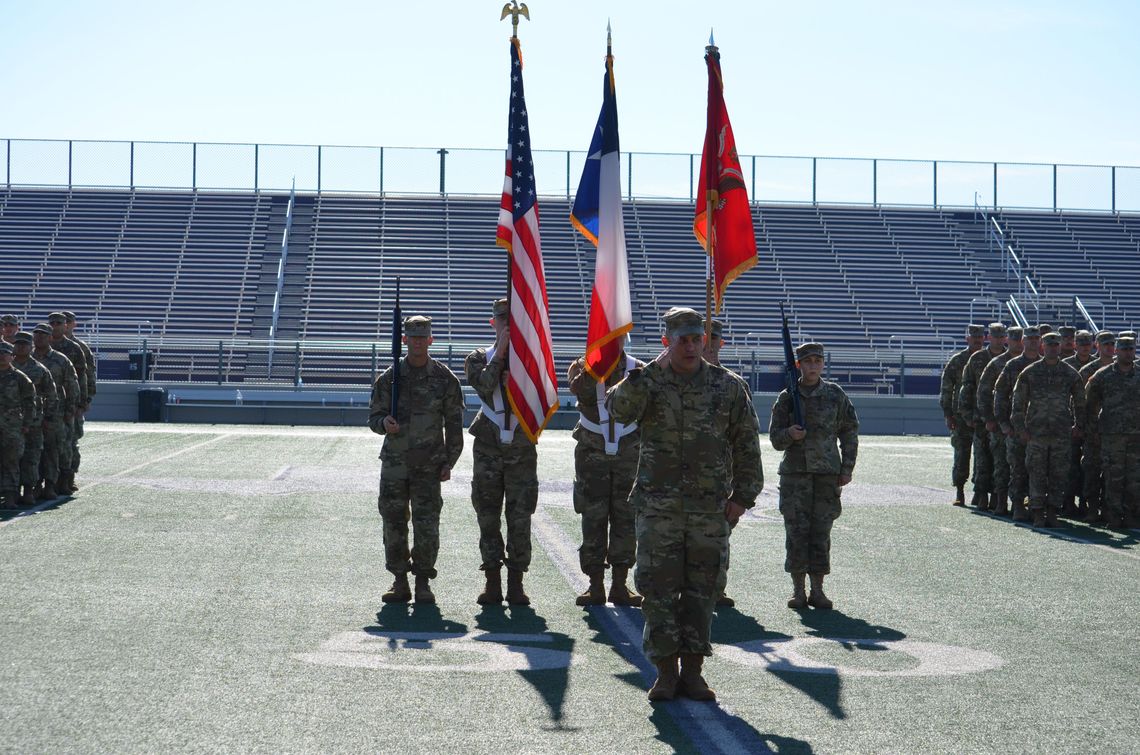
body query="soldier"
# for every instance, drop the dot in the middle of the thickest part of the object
(984, 413)
(1044, 328)
(1114, 404)
(961, 436)
(89, 371)
(1048, 412)
(1068, 342)
(698, 470)
(1091, 477)
(1079, 358)
(44, 412)
(9, 326)
(605, 466)
(813, 472)
(17, 411)
(70, 349)
(1014, 447)
(421, 445)
(983, 477)
(505, 467)
(56, 455)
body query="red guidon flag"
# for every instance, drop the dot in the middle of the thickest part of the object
(732, 243)
(532, 390)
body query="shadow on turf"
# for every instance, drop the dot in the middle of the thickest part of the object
(39, 508)
(1074, 531)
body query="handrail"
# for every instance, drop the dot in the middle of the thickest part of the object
(1015, 312)
(1080, 307)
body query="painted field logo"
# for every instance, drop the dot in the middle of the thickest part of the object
(825, 655)
(440, 652)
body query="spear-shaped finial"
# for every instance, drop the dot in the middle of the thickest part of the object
(711, 49)
(712, 42)
(514, 9)
(609, 39)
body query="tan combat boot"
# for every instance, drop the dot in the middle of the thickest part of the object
(693, 685)
(423, 589)
(1038, 517)
(493, 592)
(817, 599)
(595, 594)
(979, 500)
(798, 601)
(47, 492)
(620, 595)
(959, 495)
(1051, 516)
(399, 592)
(1020, 513)
(516, 596)
(665, 688)
(998, 505)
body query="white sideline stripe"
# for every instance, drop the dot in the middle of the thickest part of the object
(123, 473)
(564, 555)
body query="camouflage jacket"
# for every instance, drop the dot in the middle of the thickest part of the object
(71, 350)
(585, 390)
(89, 361)
(485, 377)
(17, 401)
(951, 379)
(46, 399)
(984, 398)
(1114, 401)
(971, 378)
(429, 409)
(829, 416)
(66, 381)
(700, 439)
(1003, 388)
(1075, 361)
(1091, 368)
(1048, 400)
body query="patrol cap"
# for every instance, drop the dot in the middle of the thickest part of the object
(996, 329)
(1031, 331)
(42, 327)
(6, 348)
(805, 350)
(1125, 342)
(501, 307)
(1015, 333)
(975, 330)
(1128, 333)
(22, 337)
(55, 317)
(1083, 336)
(69, 315)
(1044, 327)
(9, 320)
(1067, 331)
(718, 329)
(1051, 338)
(683, 321)
(417, 325)
(1105, 336)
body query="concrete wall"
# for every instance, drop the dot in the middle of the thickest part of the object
(119, 402)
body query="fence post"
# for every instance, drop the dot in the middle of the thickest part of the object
(220, 362)
(875, 182)
(132, 165)
(318, 169)
(194, 165)
(567, 174)
(256, 165)
(297, 364)
(1114, 188)
(753, 195)
(1054, 187)
(374, 364)
(691, 178)
(995, 186)
(442, 172)
(8, 170)
(935, 163)
(381, 170)
(813, 180)
(629, 173)
(145, 361)
(902, 373)
(69, 145)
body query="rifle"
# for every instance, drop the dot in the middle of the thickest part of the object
(397, 349)
(791, 373)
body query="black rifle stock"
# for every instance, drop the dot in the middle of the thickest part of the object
(791, 373)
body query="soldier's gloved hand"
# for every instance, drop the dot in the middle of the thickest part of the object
(391, 426)
(444, 474)
(576, 369)
(843, 480)
(732, 512)
(951, 424)
(795, 432)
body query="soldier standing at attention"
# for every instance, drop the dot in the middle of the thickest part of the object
(984, 413)
(17, 411)
(1081, 357)
(421, 445)
(89, 373)
(70, 349)
(1114, 404)
(1091, 476)
(1068, 341)
(819, 460)
(983, 477)
(45, 411)
(9, 326)
(1048, 412)
(961, 436)
(698, 471)
(505, 469)
(605, 466)
(57, 434)
(1003, 398)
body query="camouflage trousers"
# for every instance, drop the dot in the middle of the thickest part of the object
(1018, 477)
(76, 434)
(30, 460)
(504, 473)
(1074, 486)
(56, 455)
(983, 476)
(1047, 464)
(1121, 478)
(1000, 461)
(11, 449)
(1092, 482)
(416, 498)
(601, 495)
(680, 573)
(961, 438)
(810, 503)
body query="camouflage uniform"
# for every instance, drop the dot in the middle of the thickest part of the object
(1048, 402)
(962, 436)
(430, 412)
(17, 412)
(90, 388)
(56, 455)
(699, 447)
(984, 413)
(1092, 479)
(45, 412)
(1114, 406)
(605, 466)
(74, 353)
(1014, 445)
(1075, 484)
(967, 407)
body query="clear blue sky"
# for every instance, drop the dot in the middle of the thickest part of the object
(1012, 81)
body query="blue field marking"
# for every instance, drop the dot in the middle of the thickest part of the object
(710, 727)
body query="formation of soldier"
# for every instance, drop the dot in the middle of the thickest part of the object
(1054, 425)
(667, 461)
(47, 383)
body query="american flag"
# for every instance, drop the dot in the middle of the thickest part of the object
(532, 390)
